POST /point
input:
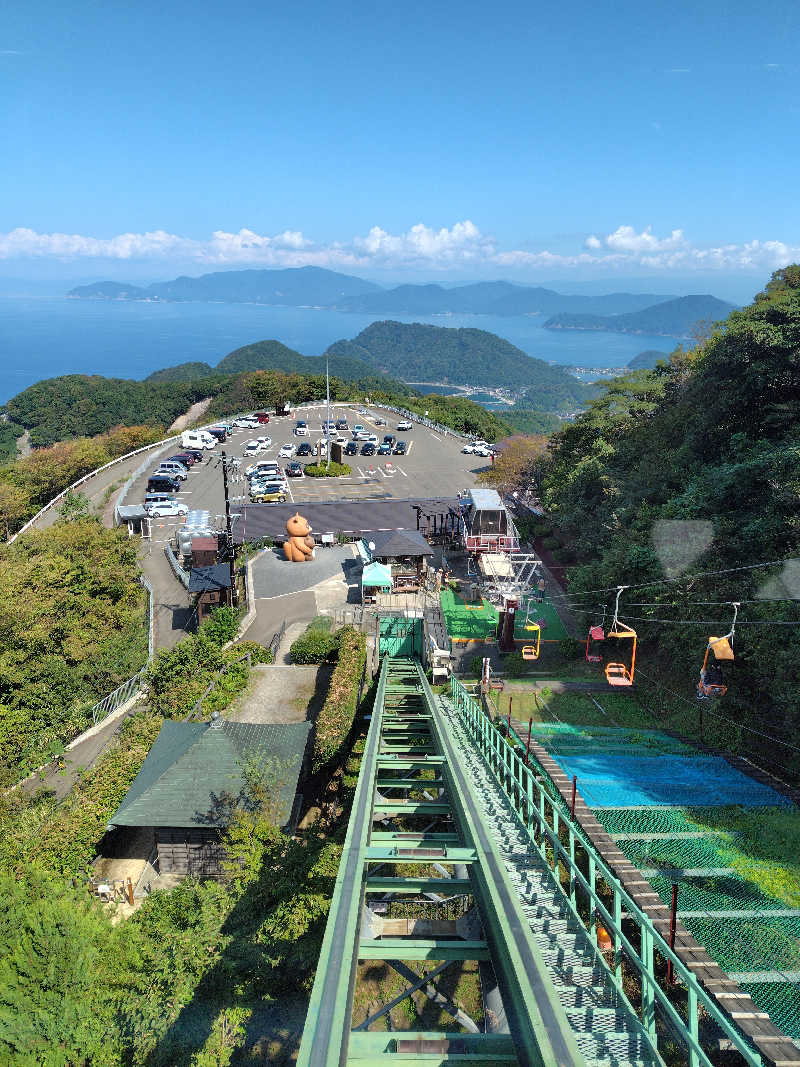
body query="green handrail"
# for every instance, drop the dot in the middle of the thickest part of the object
(530, 800)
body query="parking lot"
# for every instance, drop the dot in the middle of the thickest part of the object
(433, 466)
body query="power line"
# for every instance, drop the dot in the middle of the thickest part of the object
(680, 578)
(712, 622)
(710, 710)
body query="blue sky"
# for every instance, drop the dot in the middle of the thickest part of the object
(425, 140)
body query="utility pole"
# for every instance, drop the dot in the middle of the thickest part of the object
(327, 416)
(231, 554)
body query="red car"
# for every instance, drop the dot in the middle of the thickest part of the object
(262, 416)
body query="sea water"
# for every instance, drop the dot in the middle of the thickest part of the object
(43, 337)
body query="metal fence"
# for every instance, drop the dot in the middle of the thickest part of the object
(115, 700)
(276, 640)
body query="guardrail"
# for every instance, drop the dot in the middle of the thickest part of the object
(103, 708)
(82, 481)
(276, 640)
(177, 569)
(599, 899)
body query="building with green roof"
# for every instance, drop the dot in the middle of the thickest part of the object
(198, 774)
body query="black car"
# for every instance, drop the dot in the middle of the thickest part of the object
(368, 449)
(195, 452)
(163, 483)
(305, 449)
(385, 448)
(294, 469)
(351, 449)
(388, 438)
(186, 458)
(400, 448)
(219, 432)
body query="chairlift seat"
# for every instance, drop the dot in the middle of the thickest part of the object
(619, 674)
(721, 647)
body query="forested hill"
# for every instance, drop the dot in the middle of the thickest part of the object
(692, 472)
(421, 353)
(672, 318)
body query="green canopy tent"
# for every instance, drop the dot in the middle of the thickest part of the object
(375, 578)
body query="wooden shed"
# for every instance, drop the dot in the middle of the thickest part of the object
(196, 776)
(211, 587)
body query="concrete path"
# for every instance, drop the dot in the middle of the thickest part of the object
(280, 694)
(77, 759)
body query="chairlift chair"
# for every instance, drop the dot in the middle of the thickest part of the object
(594, 636)
(712, 681)
(619, 674)
(531, 651)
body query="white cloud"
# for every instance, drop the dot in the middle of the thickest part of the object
(461, 246)
(626, 239)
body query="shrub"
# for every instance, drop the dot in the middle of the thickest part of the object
(336, 716)
(258, 654)
(334, 470)
(313, 646)
(221, 626)
(542, 529)
(514, 665)
(562, 555)
(571, 648)
(550, 543)
(476, 666)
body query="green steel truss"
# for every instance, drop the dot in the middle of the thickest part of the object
(409, 737)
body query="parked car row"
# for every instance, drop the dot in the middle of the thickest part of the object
(478, 448)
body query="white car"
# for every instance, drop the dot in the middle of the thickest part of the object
(263, 466)
(301, 431)
(287, 451)
(468, 449)
(479, 450)
(380, 420)
(404, 425)
(372, 438)
(362, 435)
(166, 509)
(480, 443)
(252, 448)
(246, 424)
(265, 442)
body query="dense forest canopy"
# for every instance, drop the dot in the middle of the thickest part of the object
(694, 467)
(681, 317)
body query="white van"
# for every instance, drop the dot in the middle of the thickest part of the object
(197, 439)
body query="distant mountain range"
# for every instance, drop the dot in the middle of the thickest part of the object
(294, 287)
(317, 287)
(672, 318)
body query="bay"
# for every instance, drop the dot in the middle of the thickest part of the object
(44, 337)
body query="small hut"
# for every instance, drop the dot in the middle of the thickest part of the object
(198, 774)
(211, 586)
(404, 552)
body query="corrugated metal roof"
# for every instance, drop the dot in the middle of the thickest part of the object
(486, 500)
(342, 516)
(400, 543)
(210, 579)
(196, 774)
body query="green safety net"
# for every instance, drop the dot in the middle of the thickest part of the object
(674, 841)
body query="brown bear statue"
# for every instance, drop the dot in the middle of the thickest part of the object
(299, 548)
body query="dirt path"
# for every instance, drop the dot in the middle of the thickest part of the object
(194, 412)
(24, 445)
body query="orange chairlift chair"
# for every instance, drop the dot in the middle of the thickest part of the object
(712, 682)
(620, 673)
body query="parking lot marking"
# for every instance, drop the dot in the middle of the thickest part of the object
(433, 435)
(410, 446)
(402, 471)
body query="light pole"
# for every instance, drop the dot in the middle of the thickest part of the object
(231, 554)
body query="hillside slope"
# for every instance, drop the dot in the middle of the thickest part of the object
(691, 473)
(417, 352)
